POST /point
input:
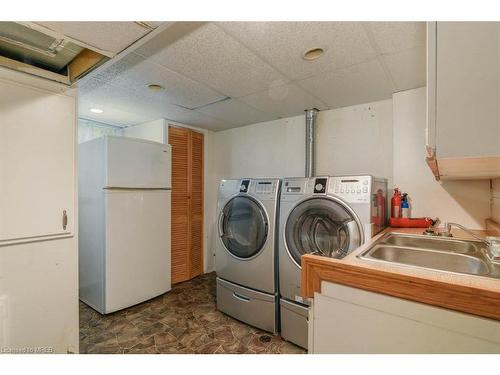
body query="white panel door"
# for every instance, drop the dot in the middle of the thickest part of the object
(137, 246)
(37, 154)
(135, 163)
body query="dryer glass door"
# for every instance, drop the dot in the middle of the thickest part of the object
(243, 227)
(321, 226)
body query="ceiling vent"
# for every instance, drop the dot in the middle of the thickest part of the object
(57, 58)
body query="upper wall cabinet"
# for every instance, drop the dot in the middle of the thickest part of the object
(37, 164)
(463, 92)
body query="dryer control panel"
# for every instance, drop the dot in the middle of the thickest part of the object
(353, 189)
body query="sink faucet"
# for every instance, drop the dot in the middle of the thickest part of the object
(492, 243)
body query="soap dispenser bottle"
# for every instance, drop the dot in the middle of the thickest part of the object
(405, 206)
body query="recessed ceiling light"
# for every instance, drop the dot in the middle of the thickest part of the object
(313, 53)
(96, 110)
(155, 87)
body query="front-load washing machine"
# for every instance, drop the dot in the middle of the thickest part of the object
(246, 251)
(327, 216)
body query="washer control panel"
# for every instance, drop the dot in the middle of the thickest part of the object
(352, 188)
(265, 187)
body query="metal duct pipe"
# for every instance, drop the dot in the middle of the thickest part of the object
(311, 115)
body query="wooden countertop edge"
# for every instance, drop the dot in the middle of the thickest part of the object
(471, 300)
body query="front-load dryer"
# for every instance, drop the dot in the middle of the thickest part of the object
(327, 216)
(246, 251)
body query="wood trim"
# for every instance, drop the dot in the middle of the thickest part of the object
(486, 167)
(469, 300)
(433, 165)
(83, 62)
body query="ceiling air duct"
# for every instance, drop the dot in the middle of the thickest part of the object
(41, 53)
(311, 115)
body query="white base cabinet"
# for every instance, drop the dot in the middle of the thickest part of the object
(349, 320)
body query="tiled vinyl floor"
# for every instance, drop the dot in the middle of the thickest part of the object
(184, 320)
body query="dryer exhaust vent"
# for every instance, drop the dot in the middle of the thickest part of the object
(311, 115)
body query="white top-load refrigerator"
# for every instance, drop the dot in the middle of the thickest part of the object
(124, 221)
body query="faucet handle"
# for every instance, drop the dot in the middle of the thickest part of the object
(494, 248)
(445, 234)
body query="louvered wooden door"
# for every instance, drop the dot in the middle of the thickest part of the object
(187, 203)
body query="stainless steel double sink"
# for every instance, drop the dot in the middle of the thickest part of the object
(436, 253)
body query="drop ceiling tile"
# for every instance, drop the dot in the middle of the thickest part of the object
(357, 84)
(283, 100)
(109, 36)
(88, 85)
(207, 54)
(283, 44)
(235, 112)
(124, 107)
(407, 68)
(111, 114)
(133, 74)
(194, 118)
(398, 36)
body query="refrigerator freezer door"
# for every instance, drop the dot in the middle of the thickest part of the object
(137, 246)
(137, 163)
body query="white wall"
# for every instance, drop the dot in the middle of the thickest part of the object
(465, 202)
(267, 149)
(351, 140)
(39, 279)
(153, 131)
(356, 140)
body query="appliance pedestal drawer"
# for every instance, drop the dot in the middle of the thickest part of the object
(294, 322)
(250, 306)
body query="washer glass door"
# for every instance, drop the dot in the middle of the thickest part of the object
(243, 227)
(321, 226)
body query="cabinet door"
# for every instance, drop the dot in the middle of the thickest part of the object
(467, 89)
(368, 322)
(37, 173)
